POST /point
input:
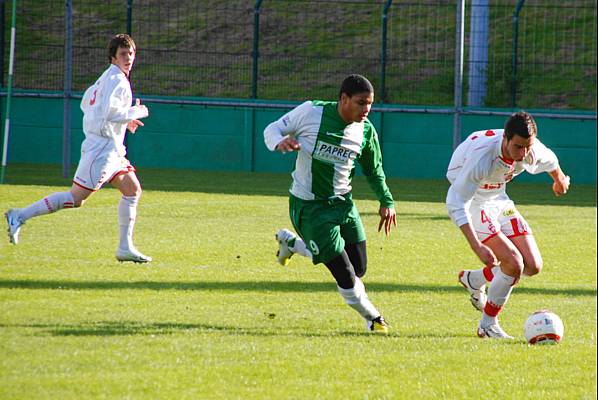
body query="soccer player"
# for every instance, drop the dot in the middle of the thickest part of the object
(330, 137)
(478, 204)
(107, 113)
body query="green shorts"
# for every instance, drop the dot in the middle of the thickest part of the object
(326, 225)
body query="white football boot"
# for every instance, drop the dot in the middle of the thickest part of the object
(476, 296)
(284, 253)
(14, 225)
(492, 331)
(133, 255)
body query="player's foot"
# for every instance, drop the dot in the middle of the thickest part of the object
(476, 296)
(14, 223)
(133, 255)
(493, 331)
(378, 325)
(284, 253)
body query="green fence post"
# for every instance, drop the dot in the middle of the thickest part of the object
(256, 39)
(129, 16)
(383, 52)
(514, 59)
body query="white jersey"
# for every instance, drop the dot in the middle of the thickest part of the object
(107, 109)
(478, 172)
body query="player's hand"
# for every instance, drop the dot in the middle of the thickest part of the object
(561, 185)
(288, 144)
(133, 125)
(388, 218)
(142, 108)
(486, 255)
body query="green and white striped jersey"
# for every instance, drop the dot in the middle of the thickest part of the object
(330, 147)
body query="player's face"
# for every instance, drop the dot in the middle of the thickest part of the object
(518, 147)
(357, 107)
(124, 59)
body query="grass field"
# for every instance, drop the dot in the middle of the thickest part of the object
(214, 316)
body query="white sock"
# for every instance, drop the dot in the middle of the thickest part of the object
(49, 204)
(300, 248)
(498, 294)
(357, 298)
(478, 277)
(127, 212)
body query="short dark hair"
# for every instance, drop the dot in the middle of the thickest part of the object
(120, 40)
(355, 83)
(520, 124)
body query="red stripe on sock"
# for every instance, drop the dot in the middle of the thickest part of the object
(492, 310)
(48, 206)
(488, 273)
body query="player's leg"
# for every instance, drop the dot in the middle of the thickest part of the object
(352, 290)
(485, 224)
(288, 242)
(129, 186)
(532, 259)
(331, 242)
(358, 256)
(16, 217)
(520, 233)
(503, 278)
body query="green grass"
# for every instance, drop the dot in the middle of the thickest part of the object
(215, 317)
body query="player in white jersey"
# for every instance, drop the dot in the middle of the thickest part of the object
(478, 204)
(107, 113)
(331, 138)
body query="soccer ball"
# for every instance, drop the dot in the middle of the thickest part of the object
(544, 327)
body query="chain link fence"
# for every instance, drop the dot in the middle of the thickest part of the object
(538, 54)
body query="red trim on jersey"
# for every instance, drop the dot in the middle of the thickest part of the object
(516, 231)
(488, 274)
(81, 186)
(492, 310)
(507, 160)
(490, 132)
(474, 137)
(518, 234)
(490, 237)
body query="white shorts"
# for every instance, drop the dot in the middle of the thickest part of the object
(98, 166)
(500, 215)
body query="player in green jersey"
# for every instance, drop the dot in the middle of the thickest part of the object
(330, 138)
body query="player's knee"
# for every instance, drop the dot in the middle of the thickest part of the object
(361, 269)
(513, 265)
(78, 202)
(533, 267)
(134, 191)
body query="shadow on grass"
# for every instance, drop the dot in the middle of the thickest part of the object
(130, 328)
(261, 286)
(277, 184)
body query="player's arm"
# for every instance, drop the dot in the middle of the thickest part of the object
(371, 164)
(458, 199)
(115, 107)
(280, 134)
(561, 182)
(542, 159)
